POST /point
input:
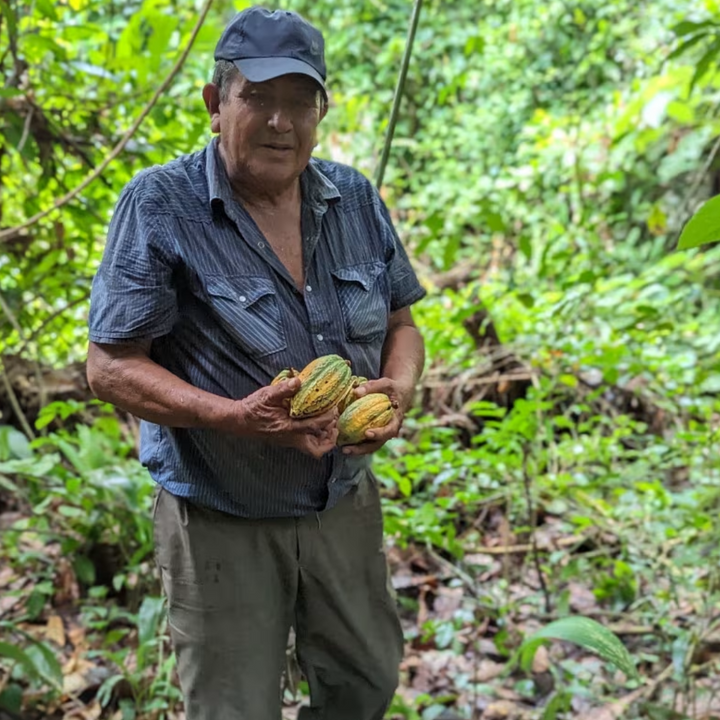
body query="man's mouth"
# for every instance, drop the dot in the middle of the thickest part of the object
(278, 146)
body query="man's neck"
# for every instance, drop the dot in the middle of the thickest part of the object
(267, 199)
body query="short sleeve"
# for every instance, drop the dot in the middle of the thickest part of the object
(133, 295)
(405, 289)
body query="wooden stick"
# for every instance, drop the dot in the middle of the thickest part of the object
(512, 549)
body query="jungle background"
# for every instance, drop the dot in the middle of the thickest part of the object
(562, 456)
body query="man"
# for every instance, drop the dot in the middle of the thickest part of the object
(221, 268)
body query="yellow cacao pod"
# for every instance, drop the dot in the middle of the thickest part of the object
(285, 374)
(349, 397)
(366, 413)
(323, 383)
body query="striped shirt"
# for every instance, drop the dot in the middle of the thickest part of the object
(186, 266)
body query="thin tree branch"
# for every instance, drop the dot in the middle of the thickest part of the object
(398, 93)
(14, 231)
(15, 403)
(10, 315)
(532, 521)
(49, 319)
(26, 128)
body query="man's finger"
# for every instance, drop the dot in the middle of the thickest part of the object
(284, 389)
(317, 423)
(381, 385)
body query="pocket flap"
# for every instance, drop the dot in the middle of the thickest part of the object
(365, 273)
(245, 289)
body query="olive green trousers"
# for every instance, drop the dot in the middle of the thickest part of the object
(235, 588)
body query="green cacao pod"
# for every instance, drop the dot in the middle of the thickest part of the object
(366, 413)
(349, 397)
(323, 383)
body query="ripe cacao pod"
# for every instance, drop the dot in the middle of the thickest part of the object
(285, 374)
(323, 382)
(349, 395)
(366, 413)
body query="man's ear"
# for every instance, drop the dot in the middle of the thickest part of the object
(211, 96)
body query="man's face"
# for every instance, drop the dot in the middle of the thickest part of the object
(267, 130)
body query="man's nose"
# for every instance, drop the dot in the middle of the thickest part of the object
(281, 120)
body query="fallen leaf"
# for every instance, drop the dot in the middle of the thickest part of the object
(76, 634)
(447, 602)
(541, 661)
(55, 630)
(581, 598)
(488, 670)
(7, 575)
(502, 710)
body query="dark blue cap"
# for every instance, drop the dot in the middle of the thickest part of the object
(264, 45)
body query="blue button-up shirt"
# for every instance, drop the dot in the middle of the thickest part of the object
(186, 266)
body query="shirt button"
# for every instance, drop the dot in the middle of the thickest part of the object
(308, 288)
(320, 338)
(242, 298)
(261, 245)
(332, 480)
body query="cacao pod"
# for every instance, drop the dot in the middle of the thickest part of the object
(324, 382)
(366, 413)
(349, 395)
(285, 374)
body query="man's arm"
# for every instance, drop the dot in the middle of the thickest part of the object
(403, 356)
(403, 360)
(125, 376)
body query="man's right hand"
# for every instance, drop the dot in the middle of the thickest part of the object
(264, 415)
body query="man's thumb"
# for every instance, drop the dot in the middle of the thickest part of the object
(285, 388)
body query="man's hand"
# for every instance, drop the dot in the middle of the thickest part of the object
(400, 396)
(264, 415)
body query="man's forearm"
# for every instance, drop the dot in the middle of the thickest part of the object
(136, 384)
(403, 359)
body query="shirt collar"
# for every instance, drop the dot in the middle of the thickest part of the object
(317, 188)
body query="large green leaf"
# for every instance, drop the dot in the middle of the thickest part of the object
(149, 617)
(703, 227)
(37, 659)
(586, 633)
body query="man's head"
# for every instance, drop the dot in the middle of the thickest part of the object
(267, 95)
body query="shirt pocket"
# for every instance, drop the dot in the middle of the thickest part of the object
(248, 309)
(364, 300)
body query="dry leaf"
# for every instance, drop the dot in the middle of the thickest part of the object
(541, 661)
(447, 602)
(502, 710)
(76, 634)
(581, 598)
(488, 670)
(7, 575)
(55, 630)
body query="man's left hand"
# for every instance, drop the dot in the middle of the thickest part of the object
(400, 397)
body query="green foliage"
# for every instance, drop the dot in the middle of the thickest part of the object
(584, 632)
(703, 227)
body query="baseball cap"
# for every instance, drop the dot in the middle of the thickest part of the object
(265, 44)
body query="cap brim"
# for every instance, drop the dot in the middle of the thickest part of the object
(262, 69)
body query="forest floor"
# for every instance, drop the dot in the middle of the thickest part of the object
(457, 651)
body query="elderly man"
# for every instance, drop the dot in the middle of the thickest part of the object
(221, 268)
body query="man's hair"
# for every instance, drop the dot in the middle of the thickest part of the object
(224, 76)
